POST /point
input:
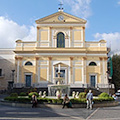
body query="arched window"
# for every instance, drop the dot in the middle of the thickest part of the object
(92, 64)
(28, 63)
(60, 40)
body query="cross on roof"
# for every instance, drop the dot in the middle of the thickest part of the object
(61, 7)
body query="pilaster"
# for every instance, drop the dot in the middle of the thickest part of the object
(84, 68)
(37, 72)
(101, 69)
(71, 36)
(50, 69)
(38, 36)
(19, 70)
(71, 69)
(105, 70)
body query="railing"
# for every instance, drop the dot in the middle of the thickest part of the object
(95, 44)
(18, 85)
(26, 45)
(97, 86)
(32, 44)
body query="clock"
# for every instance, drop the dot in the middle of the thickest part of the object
(60, 17)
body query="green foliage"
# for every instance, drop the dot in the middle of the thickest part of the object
(16, 99)
(50, 100)
(44, 100)
(82, 95)
(23, 94)
(32, 93)
(59, 101)
(116, 71)
(103, 99)
(11, 99)
(75, 100)
(13, 95)
(25, 99)
(103, 95)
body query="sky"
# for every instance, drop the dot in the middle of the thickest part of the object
(17, 19)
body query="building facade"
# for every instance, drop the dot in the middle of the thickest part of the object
(61, 46)
(7, 68)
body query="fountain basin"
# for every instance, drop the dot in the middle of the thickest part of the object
(62, 88)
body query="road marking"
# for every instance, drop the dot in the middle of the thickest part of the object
(63, 114)
(22, 113)
(106, 119)
(92, 114)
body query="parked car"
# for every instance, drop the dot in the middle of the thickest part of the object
(118, 93)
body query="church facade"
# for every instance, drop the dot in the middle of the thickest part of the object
(61, 46)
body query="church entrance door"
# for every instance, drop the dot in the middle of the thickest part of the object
(28, 80)
(92, 80)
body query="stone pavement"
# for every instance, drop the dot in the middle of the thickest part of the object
(13, 113)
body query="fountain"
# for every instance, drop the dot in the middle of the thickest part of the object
(59, 89)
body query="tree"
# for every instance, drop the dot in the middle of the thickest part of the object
(116, 71)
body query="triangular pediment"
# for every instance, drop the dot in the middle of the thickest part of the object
(61, 64)
(60, 17)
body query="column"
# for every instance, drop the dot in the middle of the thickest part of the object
(71, 36)
(38, 37)
(84, 69)
(20, 77)
(71, 70)
(105, 70)
(50, 37)
(50, 69)
(16, 70)
(83, 36)
(36, 72)
(101, 69)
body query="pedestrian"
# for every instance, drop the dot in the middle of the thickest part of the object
(89, 98)
(114, 96)
(66, 102)
(34, 101)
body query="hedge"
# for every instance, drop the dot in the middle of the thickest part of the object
(56, 101)
(104, 95)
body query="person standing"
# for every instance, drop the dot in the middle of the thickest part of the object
(34, 100)
(89, 98)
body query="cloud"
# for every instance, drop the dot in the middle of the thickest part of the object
(10, 31)
(79, 8)
(113, 39)
(118, 3)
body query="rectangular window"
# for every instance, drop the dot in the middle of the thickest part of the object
(0, 72)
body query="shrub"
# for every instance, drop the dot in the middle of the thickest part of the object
(15, 99)
(103, 99)
(82, 95)
(23, 94)
(32, 93)
(75, 100)
(42, 100)
(13, 95)
(24, 100)
(103, 95)
(11, 98)
(49, 100)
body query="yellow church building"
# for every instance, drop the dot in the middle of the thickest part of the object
(61, 46)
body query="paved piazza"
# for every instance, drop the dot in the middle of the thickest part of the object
(13, 113)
